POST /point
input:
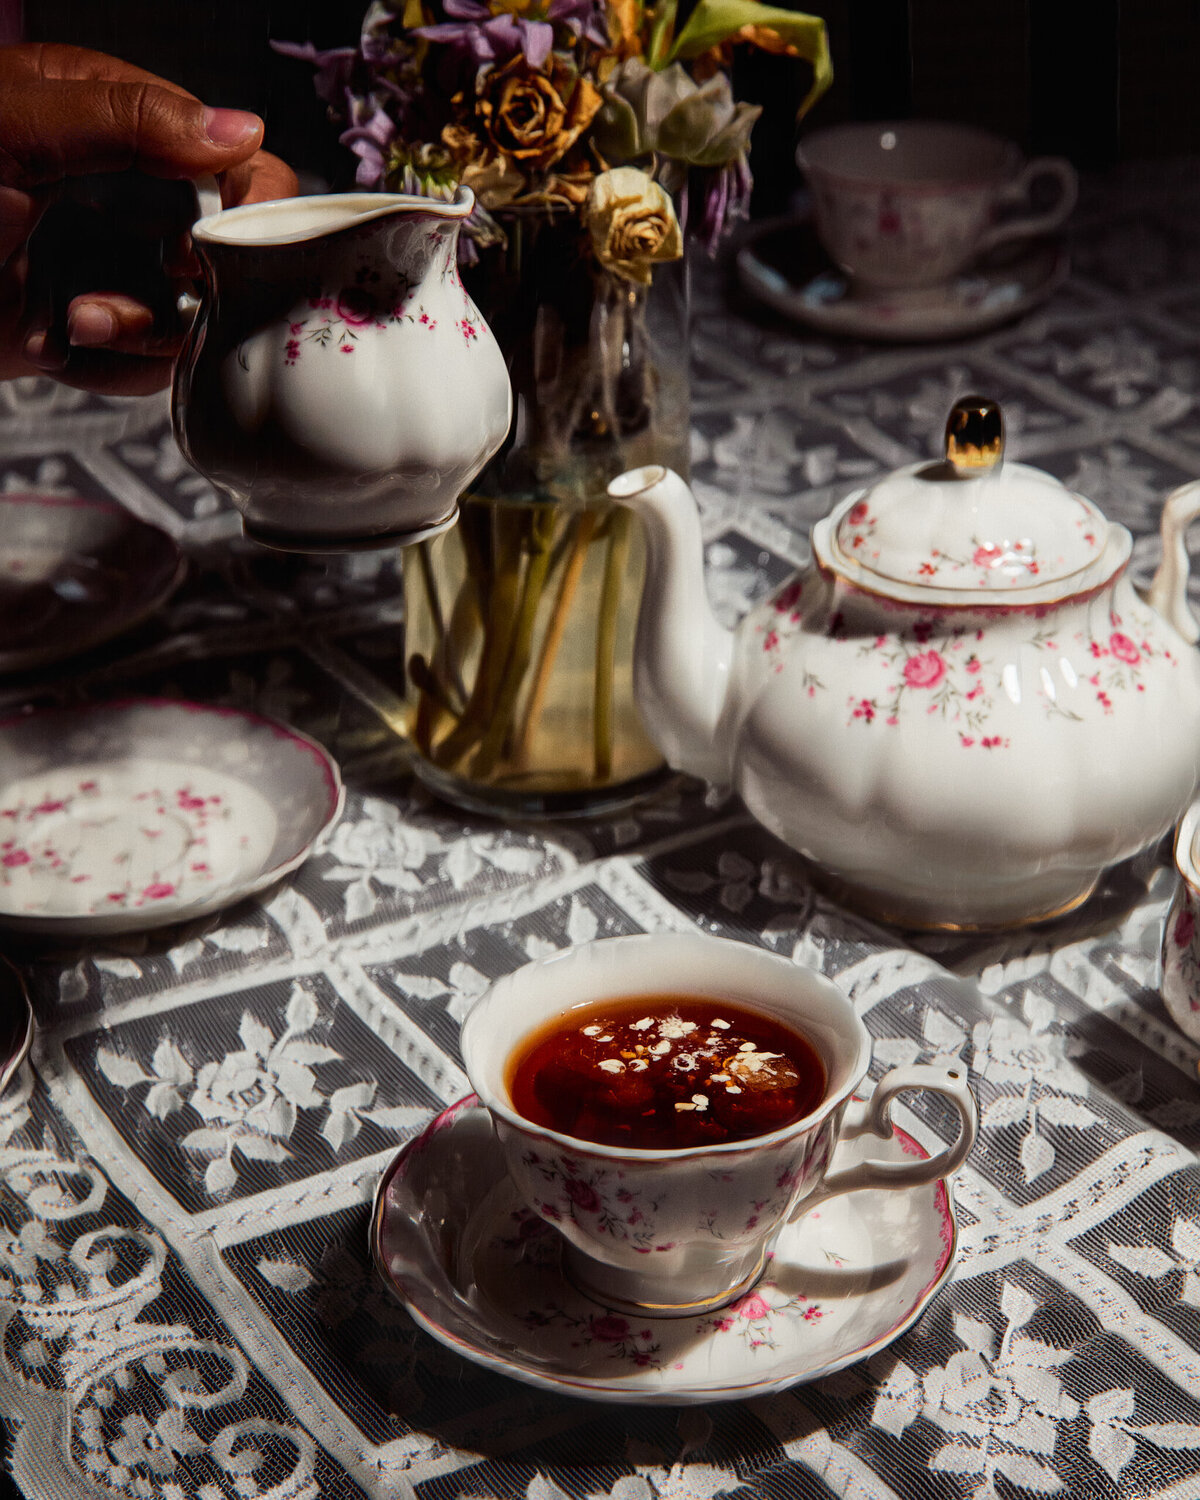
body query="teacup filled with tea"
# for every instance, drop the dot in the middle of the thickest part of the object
(668, 1102)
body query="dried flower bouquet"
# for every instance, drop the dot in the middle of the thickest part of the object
(596, 135)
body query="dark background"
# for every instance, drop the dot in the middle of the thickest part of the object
(1096, 80)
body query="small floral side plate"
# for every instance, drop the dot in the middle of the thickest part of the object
(123, 816)
(482, 1274)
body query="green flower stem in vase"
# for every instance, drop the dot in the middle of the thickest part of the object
(521, 619)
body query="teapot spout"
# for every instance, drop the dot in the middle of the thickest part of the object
(682, 656)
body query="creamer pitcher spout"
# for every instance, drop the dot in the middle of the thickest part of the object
(682, 656)
(293, 221)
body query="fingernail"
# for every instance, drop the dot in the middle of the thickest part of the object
(230, 127)
(89, 326)
(37, 353)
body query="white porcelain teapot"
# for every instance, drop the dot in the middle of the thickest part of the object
(962, 710)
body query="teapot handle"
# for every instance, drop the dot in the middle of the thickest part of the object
(1168, 589)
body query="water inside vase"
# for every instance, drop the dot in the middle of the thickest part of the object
(520, 651)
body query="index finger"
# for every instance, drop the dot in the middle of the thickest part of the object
(57, 129)
(37, 62)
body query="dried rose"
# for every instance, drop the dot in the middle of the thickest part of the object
(534, 116)
(495, 182)
(667, 112)
(561, 189)
(632, 223)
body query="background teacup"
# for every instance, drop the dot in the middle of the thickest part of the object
(677, 1231)
(1181, 932)
(906, 206)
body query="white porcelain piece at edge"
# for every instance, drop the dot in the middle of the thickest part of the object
(925, 826)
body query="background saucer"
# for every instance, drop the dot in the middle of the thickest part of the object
(125, 816)
(481, 1273)
(75, 573)
(783, 265)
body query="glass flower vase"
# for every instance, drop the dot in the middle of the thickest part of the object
(520, 621)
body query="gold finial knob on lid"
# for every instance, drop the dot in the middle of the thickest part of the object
(975, 436)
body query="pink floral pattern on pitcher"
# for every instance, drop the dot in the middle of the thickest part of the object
(985, 563)
(337, 319)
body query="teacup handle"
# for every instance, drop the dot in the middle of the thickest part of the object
(1017, 192)
(874, 1115)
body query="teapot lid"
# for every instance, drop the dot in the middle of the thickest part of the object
(969, 523)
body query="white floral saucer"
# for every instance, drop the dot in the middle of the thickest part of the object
(124, 816)
(783, 265)
(481, 1272)
(73, 574)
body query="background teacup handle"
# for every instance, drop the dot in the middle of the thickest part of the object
(873, 1116)
(1025, 226)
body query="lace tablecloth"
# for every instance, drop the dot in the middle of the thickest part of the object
(187, 1307)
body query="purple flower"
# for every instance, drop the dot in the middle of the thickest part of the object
(486, 38)
(333, 66)
(491, 38)
(584, 17)
(376, 42)
(727, 198)
(372, 130)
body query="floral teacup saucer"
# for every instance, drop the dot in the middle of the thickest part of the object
(782, 264)
(482, 1274)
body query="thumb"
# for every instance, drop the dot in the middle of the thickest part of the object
(65, 127)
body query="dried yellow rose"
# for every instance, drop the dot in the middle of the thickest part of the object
(632, 223)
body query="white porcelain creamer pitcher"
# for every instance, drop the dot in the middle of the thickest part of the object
(338, 382)
(962, 711)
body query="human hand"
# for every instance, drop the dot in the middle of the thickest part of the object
(69, 113)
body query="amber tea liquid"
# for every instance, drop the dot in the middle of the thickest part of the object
(665, 1072)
